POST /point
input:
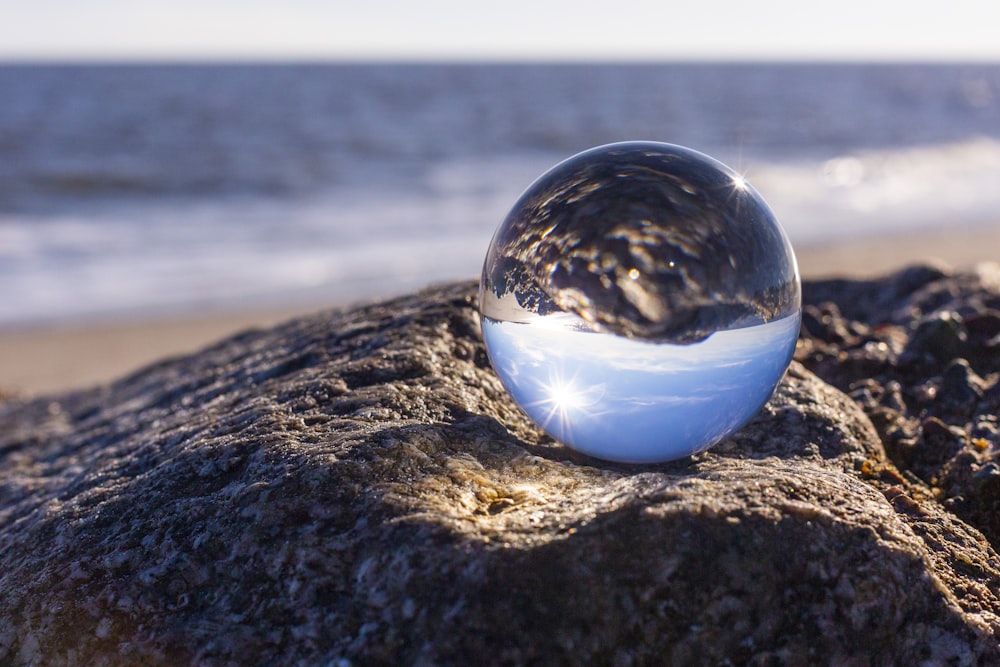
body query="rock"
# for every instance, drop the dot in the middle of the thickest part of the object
(355, 487)
(925, 368)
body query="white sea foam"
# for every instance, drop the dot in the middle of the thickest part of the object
(887, 190)
(364, 242)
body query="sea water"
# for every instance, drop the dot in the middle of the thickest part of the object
(144, 188)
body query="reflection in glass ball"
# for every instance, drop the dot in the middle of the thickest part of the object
(640, 302)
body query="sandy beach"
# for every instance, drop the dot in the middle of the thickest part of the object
(58, 358)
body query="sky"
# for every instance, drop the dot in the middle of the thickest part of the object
(927, 30)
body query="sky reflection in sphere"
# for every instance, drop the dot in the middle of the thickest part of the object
(628, 400)
(640, 302)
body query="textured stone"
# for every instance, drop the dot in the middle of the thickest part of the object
(921, 358)
(355, 487)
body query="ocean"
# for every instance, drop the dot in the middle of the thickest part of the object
(128, 190)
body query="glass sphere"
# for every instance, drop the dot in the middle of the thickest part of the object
(640, 302)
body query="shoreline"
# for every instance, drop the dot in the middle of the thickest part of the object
(53, 358)
(961, 247)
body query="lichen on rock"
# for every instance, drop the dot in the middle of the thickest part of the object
(355, 487)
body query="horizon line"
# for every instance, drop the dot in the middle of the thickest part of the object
(527, 59)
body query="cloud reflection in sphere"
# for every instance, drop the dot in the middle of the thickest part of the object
(640, 302)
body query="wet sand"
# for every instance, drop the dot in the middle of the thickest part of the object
(44, 360)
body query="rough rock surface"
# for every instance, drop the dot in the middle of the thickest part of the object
(355, 487)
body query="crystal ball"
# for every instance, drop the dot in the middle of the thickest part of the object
(640, 302)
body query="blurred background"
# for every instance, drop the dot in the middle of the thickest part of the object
(237, 161)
